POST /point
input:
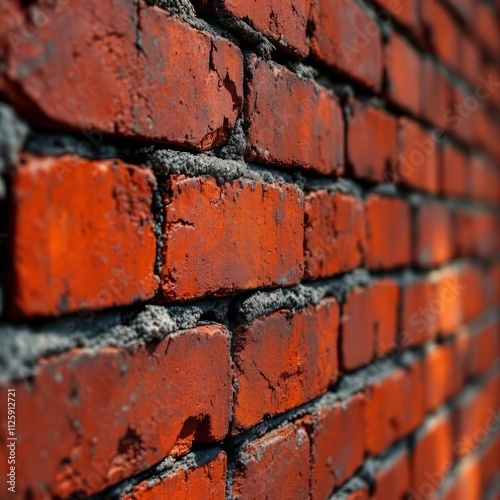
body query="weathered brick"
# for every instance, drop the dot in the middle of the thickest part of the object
(394, 408)
(485, 348)
(417, 158)
(337, 444)
(284, 360)
(434, 235)
(439, 374)
(454, 173)
(475, 418)
(81, 235)
(334, 234)
(388, 233)
(436, 96)
(392, 479)
(285, 452)
(371, 142)
(471, 283)
(219, 240)
(279, 102)
(432, 458)
(102, 417)
(447, 303)
(186, 481)
(126, 81)
(368, 323)
(403, 68)
(284, 23)
(406, 13)
(441, 32)
(485, 25)
(466, 482)
(348, 39)
(419, 322)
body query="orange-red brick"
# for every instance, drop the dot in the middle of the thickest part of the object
(220, 239)
(334, 234)
(81, 235)
(102, 417)
(125, 81)
(279, 102)
(284, 360)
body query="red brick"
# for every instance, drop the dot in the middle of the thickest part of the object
(369, 323)
(464, 7)
(405, 12)
(284, 360)
(388, 233)
(447, 305)
(392, 480)
(486, 27)
(284, 23)
(431, 459)
(394, 408)
(454, 174)
(348, 39)
(484, 181)
(486, 237)
(102, 417)
(371, 142)
(471, 283)
(461, 117)
(436, 96)
(128, 82)
(439, 373)
(403, 68)
(219, 240)
(334, 234)
(485, 346)
(464, 227)
(419, 323)
(285, 452)
(475, 419)
(441, 31)
(82, 235)
(417, 158)
(187, 482)
(434, 235)
(337, 444)
(470, 58)
(466, 482)
(277, 102)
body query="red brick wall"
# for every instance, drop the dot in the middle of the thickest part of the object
(250, 249)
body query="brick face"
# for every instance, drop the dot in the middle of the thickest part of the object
(206, 240)
(346, 38)
(279, 101)
(284, 360)
(70, 215)
(118, 95)
(249, 249)
(151, 407)
(334, 234)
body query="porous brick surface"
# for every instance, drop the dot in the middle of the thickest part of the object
(249, 249)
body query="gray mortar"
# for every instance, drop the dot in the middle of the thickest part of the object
(341, 185)
(21, 346)
(13, 133)
(167, 162)
(353, 485)
(235, 146)
(300, 296)
(83, 145)
(159, 472)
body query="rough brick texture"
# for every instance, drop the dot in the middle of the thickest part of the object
(249, 249)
